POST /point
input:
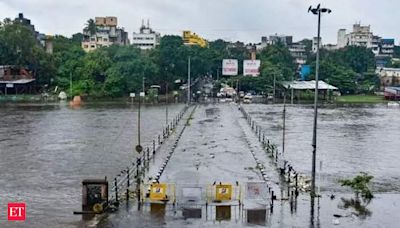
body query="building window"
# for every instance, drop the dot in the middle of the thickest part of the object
(92, 46)
(85, 46)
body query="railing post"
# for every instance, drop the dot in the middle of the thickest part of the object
(116, 190)
(159, 140)
(127, 183)
(263, 139)
(154, 147)
(138, 180)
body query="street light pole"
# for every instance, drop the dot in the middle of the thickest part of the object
(274, 86)
(166, 102)
(143, 84)
(70, 84)
(316, 11)
(188, 83)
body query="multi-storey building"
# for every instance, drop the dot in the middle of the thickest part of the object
(146, 38)
(285, 40)
(362, 36)
(106, 34)
(298, 52)
(387, 47)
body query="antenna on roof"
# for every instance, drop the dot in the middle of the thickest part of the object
(148, 23)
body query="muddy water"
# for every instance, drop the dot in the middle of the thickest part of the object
(351, 139)
(46, 151)
(382, 211)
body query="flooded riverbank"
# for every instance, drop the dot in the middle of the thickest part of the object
(46, 150)
(351, 139)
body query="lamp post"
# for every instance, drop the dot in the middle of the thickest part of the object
(316, 11)
(166, 104)
(188, 83)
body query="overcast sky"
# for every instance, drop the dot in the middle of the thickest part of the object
(244, 20)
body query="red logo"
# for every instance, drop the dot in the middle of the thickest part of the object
(16, 211)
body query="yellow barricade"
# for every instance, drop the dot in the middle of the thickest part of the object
(158, 192)
(223, 192)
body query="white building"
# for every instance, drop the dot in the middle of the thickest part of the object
(362, 36)
(315, 44)
(341, 38)
(146, 38)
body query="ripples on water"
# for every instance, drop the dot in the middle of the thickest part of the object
(47, 150)
(350, 139)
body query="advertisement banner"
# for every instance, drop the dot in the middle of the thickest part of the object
(251, 67)
(229, 67)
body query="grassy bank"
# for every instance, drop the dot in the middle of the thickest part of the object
(361, 99)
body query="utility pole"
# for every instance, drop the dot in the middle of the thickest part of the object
(140, 98)
(316, 11)
(143, 89)
(284, 125)
(166, 104)
(70, 84)
(188, 83)
(291, 95)
(274, 86)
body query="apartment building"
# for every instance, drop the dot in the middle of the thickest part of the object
(104, 33)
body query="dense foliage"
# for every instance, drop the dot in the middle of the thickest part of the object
(351, 69)
(118, 70)
(360, 185)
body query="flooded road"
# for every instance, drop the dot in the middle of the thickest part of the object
(47, 150)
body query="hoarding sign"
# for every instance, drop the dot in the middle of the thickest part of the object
(251, 67)
(229, 67)
(256, 190)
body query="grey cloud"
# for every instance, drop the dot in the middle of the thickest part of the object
(245, 20)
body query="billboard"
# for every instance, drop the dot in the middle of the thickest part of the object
(251, 67)
(229, 67)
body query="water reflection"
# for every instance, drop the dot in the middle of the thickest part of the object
(359, 207)
(349, 139)
(46, 151)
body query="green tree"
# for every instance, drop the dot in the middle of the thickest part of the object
(90, 27)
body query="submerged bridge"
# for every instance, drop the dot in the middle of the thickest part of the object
(212, 163)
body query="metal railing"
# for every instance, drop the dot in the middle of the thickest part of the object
(128, 178)
(294, 179)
